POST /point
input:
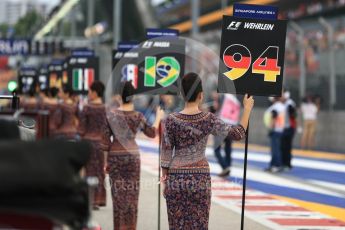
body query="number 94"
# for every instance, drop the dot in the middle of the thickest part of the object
(239, 59)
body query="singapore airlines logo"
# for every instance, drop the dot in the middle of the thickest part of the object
(234, 25)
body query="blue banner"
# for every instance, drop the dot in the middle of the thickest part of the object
(127, 46)
(14, 46)
(82, 53)
(57, 62)
(255, 11)
(154, 33)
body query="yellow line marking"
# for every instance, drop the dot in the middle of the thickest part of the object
(335, 212)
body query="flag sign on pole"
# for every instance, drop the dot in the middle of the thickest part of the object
(161, 62)
(64, 72)
(125, 67)
(83, 70)
(27, 79)
(55, 69)
(252, 56)
(129, 72)
(252, 59)
(82, 78)
(43, 78)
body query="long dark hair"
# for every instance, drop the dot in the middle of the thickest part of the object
(191, 87)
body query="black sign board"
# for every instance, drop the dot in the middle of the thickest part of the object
(125, 68)
(27, 80)
(82, 71)
(55, 73)
(161, 65)
(154, 67)
(43, 78)
(252, 56)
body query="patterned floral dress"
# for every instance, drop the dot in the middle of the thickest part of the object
(124, 165)
(188, 187)
(51, 108)
(66, 121)
(93, 126)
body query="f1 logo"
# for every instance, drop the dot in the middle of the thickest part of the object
(234, 25)
(147, 44)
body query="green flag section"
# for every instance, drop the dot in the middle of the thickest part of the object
(150, 72)
(161, 63)
(169, 69)
(82, 78)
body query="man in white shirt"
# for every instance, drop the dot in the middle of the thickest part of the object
(289, 130)
(277, 124)
(309, 112)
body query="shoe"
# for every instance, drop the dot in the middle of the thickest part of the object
(276, 169)
(273, 169)
(286, 169)
(225, 172)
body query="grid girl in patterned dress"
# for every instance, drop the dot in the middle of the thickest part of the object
(124, 158)
(66, 115)
(185, 170)
(93, 126)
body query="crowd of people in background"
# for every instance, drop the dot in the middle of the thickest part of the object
(315, 7)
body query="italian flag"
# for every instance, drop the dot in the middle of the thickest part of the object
(82, 78)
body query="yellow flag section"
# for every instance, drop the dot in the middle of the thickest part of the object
(338, 213)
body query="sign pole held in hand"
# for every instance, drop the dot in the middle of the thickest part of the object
(244, 175)
(252, 66)
(159, 175)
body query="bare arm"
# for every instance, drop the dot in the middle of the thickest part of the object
(248, 103)
(159, 116)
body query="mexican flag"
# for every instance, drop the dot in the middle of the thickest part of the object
(82, 78)
(130, 73)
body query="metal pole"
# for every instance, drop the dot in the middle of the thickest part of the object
(224, 4)
(159, 175)
(195, 8)
(15, 102)
(332, 74)
(117, 22)
(90, 13)
(301, 59)
(73, 23)
(94, 41)
(244, 177)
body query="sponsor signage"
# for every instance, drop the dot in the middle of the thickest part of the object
(154, 33)
(255, 11)
(14, 46)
